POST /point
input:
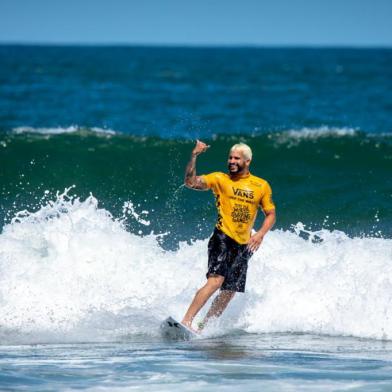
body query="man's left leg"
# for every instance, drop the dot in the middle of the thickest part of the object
(218, 305)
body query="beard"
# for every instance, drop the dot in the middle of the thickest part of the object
(235, 168)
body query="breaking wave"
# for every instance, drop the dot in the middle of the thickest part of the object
(72, 272)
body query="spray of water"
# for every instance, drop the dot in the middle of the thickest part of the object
(71, 272)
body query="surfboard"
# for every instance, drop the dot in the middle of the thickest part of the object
(173, 330)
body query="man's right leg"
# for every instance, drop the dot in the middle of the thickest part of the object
(214, 282)
(218, 305)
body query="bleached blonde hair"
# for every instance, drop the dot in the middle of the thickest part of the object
(244, 148)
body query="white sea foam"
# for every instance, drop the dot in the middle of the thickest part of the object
(70, 272)
(61, 130)
(295, 136)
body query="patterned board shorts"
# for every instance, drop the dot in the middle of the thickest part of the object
(229, 259)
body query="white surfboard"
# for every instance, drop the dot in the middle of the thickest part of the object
(173, 330)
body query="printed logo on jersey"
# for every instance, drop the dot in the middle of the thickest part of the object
(240, 213)
(243, 193)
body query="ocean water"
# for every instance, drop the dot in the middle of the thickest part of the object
(100, 241)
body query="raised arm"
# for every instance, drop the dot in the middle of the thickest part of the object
(191, 179)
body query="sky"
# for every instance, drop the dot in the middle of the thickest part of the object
(198, 22)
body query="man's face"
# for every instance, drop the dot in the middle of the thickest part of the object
(236, 163)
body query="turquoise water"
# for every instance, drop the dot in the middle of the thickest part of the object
(332, 178)
(100, 241)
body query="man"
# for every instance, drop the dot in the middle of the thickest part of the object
(238, 195)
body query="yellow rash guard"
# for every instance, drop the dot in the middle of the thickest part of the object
(237, 202)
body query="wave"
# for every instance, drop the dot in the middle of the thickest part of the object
(295, 136)
(337, 172)
(71, 272)
(288, 136)
(306, 132)
(61, 130)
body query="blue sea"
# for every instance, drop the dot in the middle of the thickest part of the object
(100, 241)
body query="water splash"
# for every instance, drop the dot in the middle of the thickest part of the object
(129, 208)
(71, 272)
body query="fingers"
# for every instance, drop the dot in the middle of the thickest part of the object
(254, 244)
(253, 247)
(201, 146)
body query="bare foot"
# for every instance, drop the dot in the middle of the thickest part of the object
(188, 324)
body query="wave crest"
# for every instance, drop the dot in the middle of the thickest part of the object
(61, 130)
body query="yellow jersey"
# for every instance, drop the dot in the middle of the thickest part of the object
(237, 202)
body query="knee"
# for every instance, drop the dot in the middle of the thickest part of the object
(215, 282)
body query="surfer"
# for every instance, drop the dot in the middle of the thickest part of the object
(238, 195)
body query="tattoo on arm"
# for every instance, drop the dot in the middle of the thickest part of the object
(191, 180)
(190, 171)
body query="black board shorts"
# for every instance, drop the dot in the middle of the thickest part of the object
(229, 259)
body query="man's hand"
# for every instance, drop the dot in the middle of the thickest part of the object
(199, 148)
(257, 238)
(255, 242)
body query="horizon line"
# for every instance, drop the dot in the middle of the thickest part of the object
(195, 45)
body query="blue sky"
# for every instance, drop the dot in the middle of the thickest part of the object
(229, 22)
